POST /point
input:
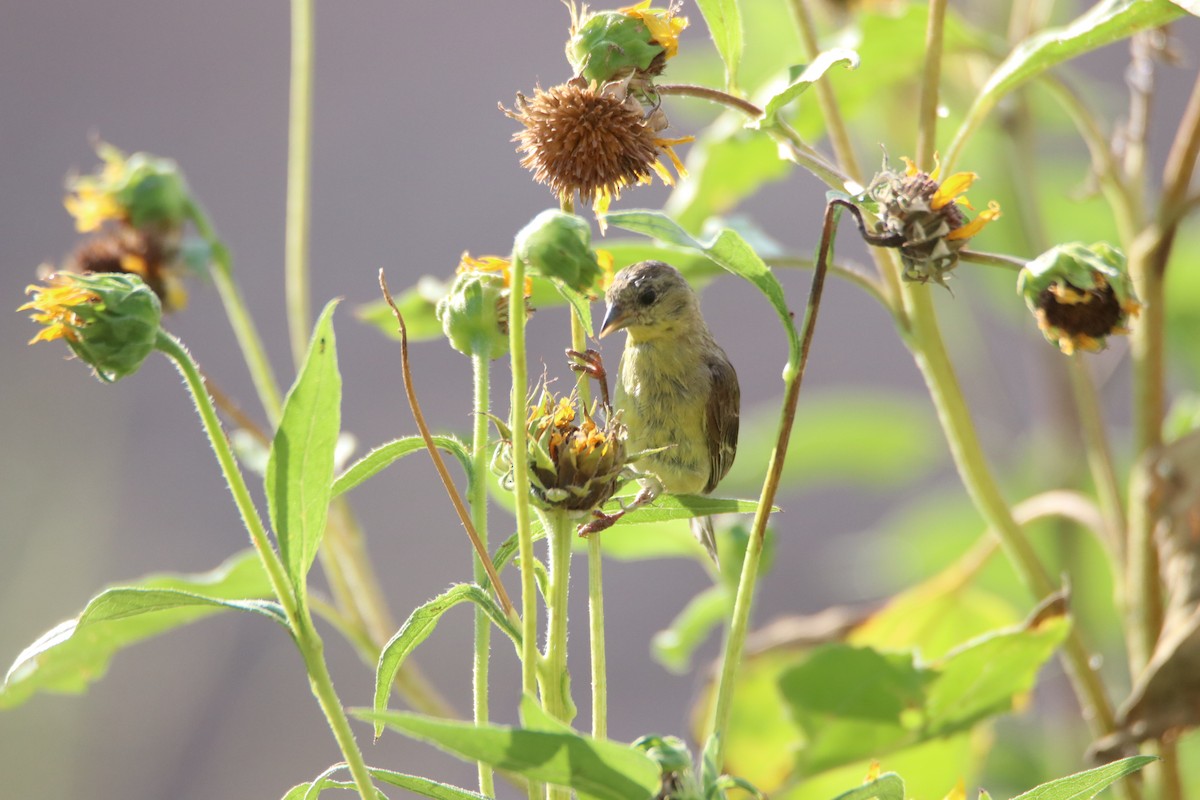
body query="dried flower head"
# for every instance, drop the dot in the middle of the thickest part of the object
(924, 215)
(596, 142)
(575, 463)
(151, 257)
(1079, 295)
(109, 321)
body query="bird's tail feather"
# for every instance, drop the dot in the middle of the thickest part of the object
(702, 529)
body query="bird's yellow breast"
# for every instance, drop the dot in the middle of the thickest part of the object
(663, 392)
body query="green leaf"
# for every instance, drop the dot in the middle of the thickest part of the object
(724, 20)
(1102, 24)
(727, 249)
(422, 786)
(726, 165)
(599, 769)
(800, 78)
(888, 786)
(1086, 785)
(77, 652)
(981, 678)
(420, 625)
(673, 647)
(300, 469)
(383, 456)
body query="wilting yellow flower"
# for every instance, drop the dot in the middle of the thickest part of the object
(492, 264)
(924, 215)
(111, 321)
(594, 142)
(56, 306)
(664, 26)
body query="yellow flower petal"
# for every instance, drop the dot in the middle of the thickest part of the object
(976, 225)
(953, 186)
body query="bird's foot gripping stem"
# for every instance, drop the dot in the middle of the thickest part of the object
(605, 521)
(589, 363)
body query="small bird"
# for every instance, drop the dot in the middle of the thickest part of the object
(676, 388)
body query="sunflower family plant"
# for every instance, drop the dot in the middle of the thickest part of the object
(932, 688)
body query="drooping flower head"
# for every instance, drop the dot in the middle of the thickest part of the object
(141, 190)
(1079, 295)
(575, 463)
(594, 142)
(154, 259)
(109, 321)
(474, 313)
(925, 214)
(629, 44)
(558, 246)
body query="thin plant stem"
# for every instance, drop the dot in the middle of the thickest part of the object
(1099, 455)
(599, 658)
(735, 640)
(299, 179)
(864, 281)
(305, 636)
(992, 260)
(929, 350)
(244, 330)
(931, 76)
(520, 470)
(555, 696)
(439, 463)
(481, 369)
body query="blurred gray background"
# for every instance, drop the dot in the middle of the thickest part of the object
(412, 164)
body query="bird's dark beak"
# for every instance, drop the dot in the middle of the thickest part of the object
(615, 318)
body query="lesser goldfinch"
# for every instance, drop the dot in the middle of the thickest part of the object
(676, 388)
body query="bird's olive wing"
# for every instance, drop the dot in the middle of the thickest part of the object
(721, 419)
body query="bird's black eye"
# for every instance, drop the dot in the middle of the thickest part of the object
(647, 297)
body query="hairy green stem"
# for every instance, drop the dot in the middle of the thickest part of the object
(299, 179)
(520, 470)
(248, 338)
(739, 625)
(481, 368)
(556, 697)
(305, 636)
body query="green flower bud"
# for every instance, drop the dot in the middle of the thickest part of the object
(609, 45)
(558, 246)
(111, 321)
(474, 315)
(571, 467)
(1080, 295)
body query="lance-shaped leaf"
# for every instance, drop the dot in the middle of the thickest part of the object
(800, 78)
(77, 652)
(424, 787)
(300, 469)
(724, 20)
(600, 769)
(385, 455)
(420, 624)
(1086, 785)
(888, 786)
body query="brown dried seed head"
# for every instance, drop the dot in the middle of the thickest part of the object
(578, 139)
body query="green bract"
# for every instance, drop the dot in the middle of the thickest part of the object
(558, 246)
(148, 191)
(474, 315)
(608, 45)
(115, 334)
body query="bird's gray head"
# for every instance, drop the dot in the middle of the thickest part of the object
(650, 299)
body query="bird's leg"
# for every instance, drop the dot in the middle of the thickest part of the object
(590, 363)
(605, 521)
